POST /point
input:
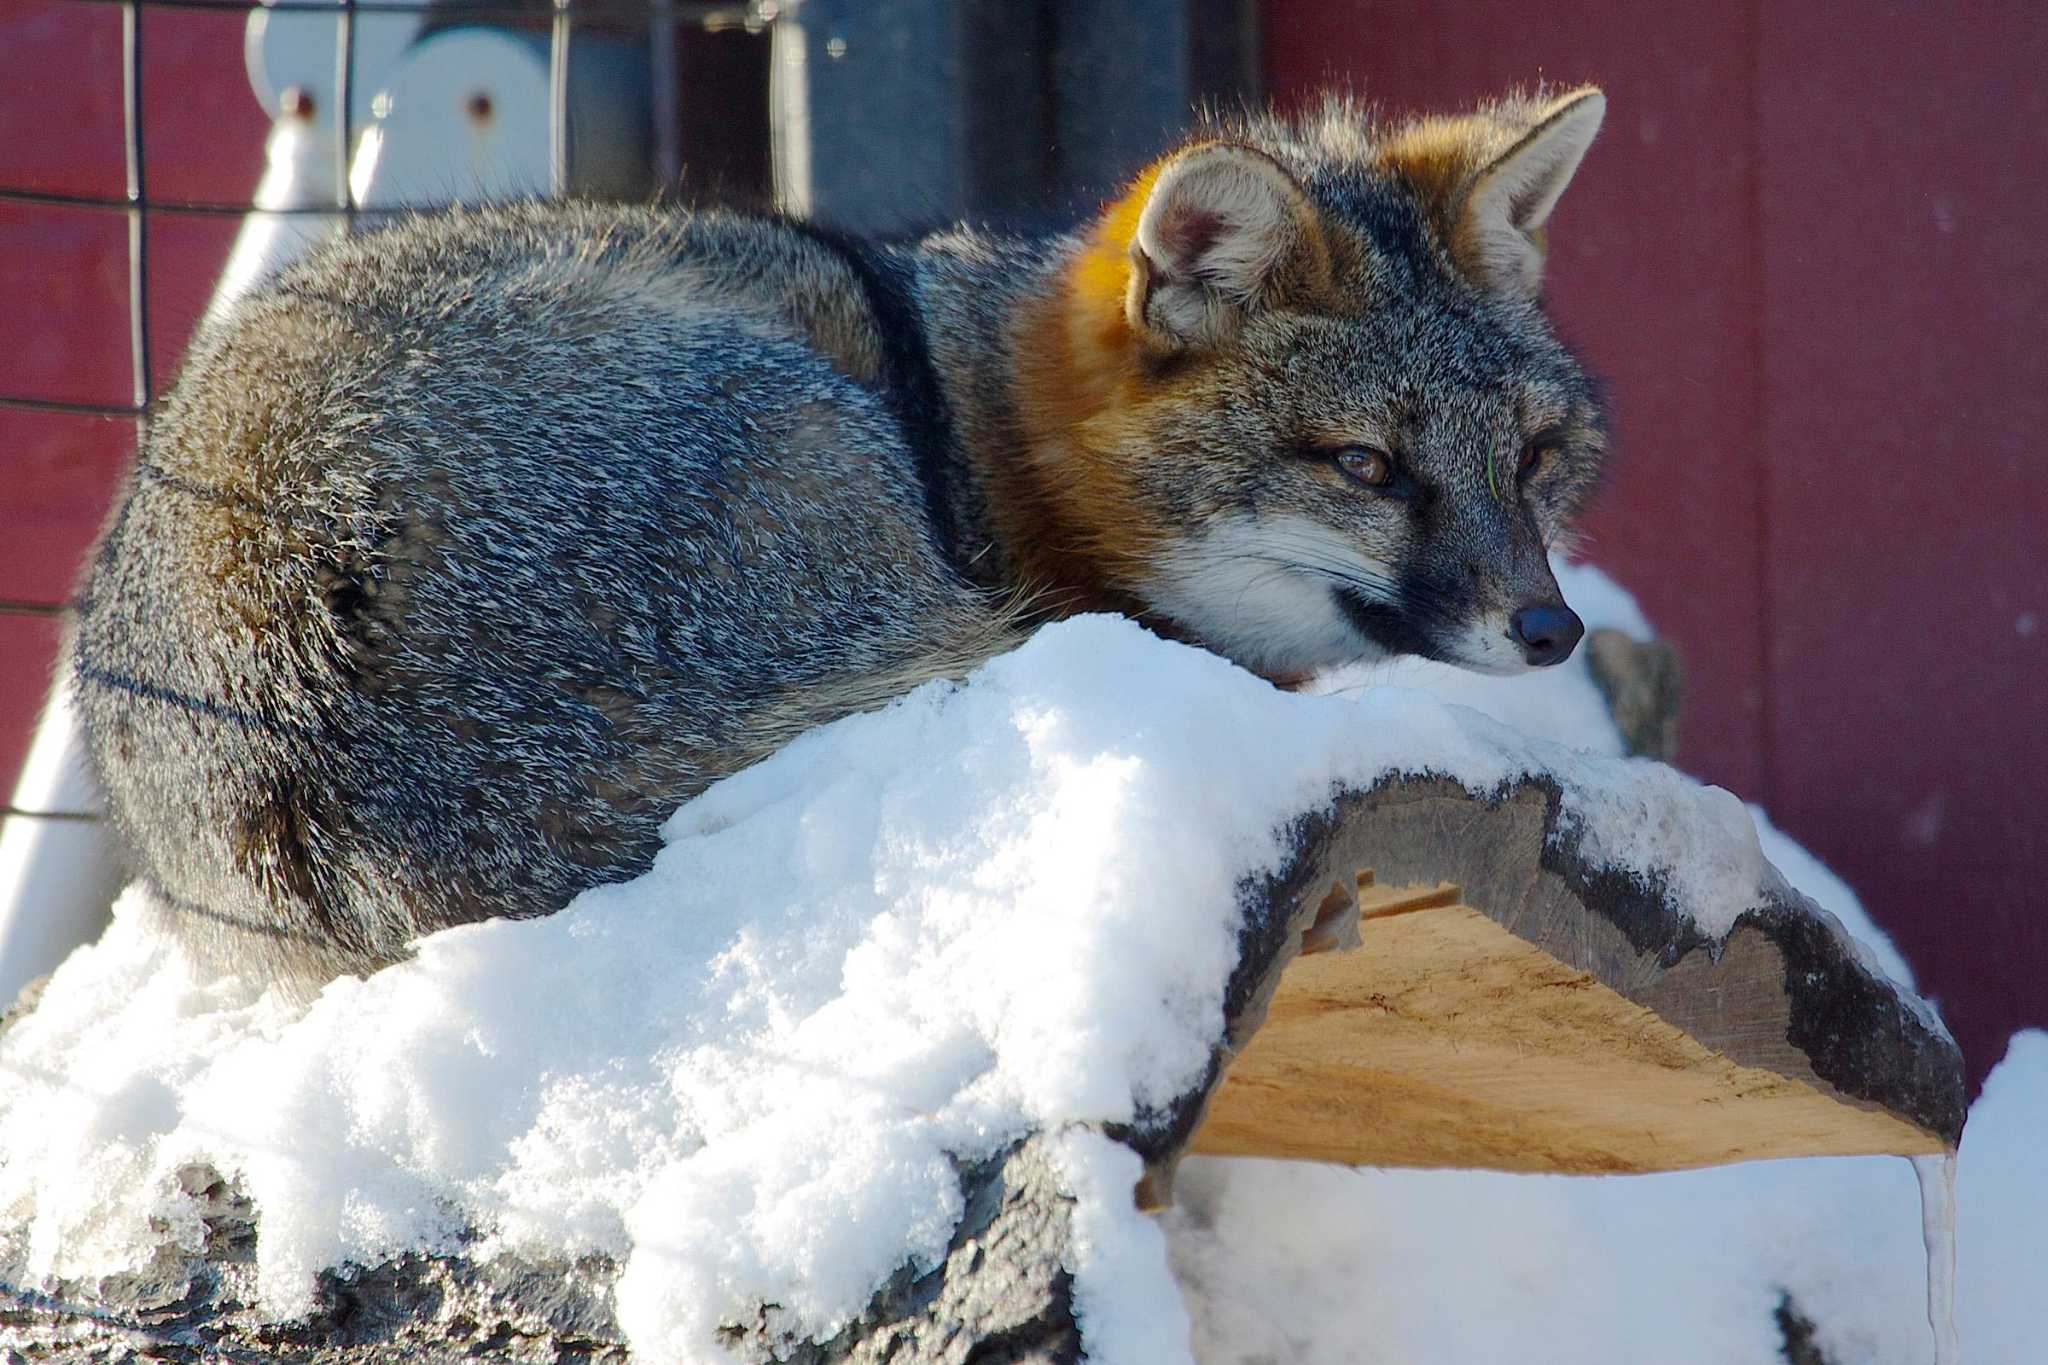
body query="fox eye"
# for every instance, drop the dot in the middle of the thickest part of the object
(1534, 456)
(1370, 467)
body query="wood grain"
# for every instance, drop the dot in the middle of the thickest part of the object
(1448, 1041)
(1510, 1005)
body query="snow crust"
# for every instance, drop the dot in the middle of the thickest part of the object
(912, 936)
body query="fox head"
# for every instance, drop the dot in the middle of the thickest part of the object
(1293, 396)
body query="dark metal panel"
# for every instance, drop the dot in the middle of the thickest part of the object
(882, 93)
(1126, 76)
(924, 111)
(1006, 114)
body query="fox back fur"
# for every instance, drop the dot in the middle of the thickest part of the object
(466, 550)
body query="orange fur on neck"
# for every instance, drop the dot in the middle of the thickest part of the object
(1064, 511)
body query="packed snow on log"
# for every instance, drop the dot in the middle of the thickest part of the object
(909, 939)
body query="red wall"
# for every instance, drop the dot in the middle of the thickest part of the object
(64, 282)
(1807, 255)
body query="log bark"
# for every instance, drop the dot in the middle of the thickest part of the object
(1508, 1004)
(1642, 683)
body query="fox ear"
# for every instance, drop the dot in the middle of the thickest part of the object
(1499, 236)
(1221, 228)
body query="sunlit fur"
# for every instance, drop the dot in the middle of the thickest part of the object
(463, 552)
(1191, 482)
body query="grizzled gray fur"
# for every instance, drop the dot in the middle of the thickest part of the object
(463, 552)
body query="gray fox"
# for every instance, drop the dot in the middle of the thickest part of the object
(464, 551)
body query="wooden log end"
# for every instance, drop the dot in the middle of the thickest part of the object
(1513, 1007)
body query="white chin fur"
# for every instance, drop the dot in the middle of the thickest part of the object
(1231, 586)
(1486, 648)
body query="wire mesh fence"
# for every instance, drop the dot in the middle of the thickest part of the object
(147, 144)
(116, 251)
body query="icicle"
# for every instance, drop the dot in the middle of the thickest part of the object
(1938, 1230)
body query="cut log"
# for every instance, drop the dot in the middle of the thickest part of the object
(1510, 1006)
(1504, 1003)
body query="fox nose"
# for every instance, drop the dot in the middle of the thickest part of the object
(1547, 634)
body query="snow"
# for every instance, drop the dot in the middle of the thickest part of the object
(1125, 1298)
(915, 936)
(1701, 837)
(1297, 1262)
(2002, 1222)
